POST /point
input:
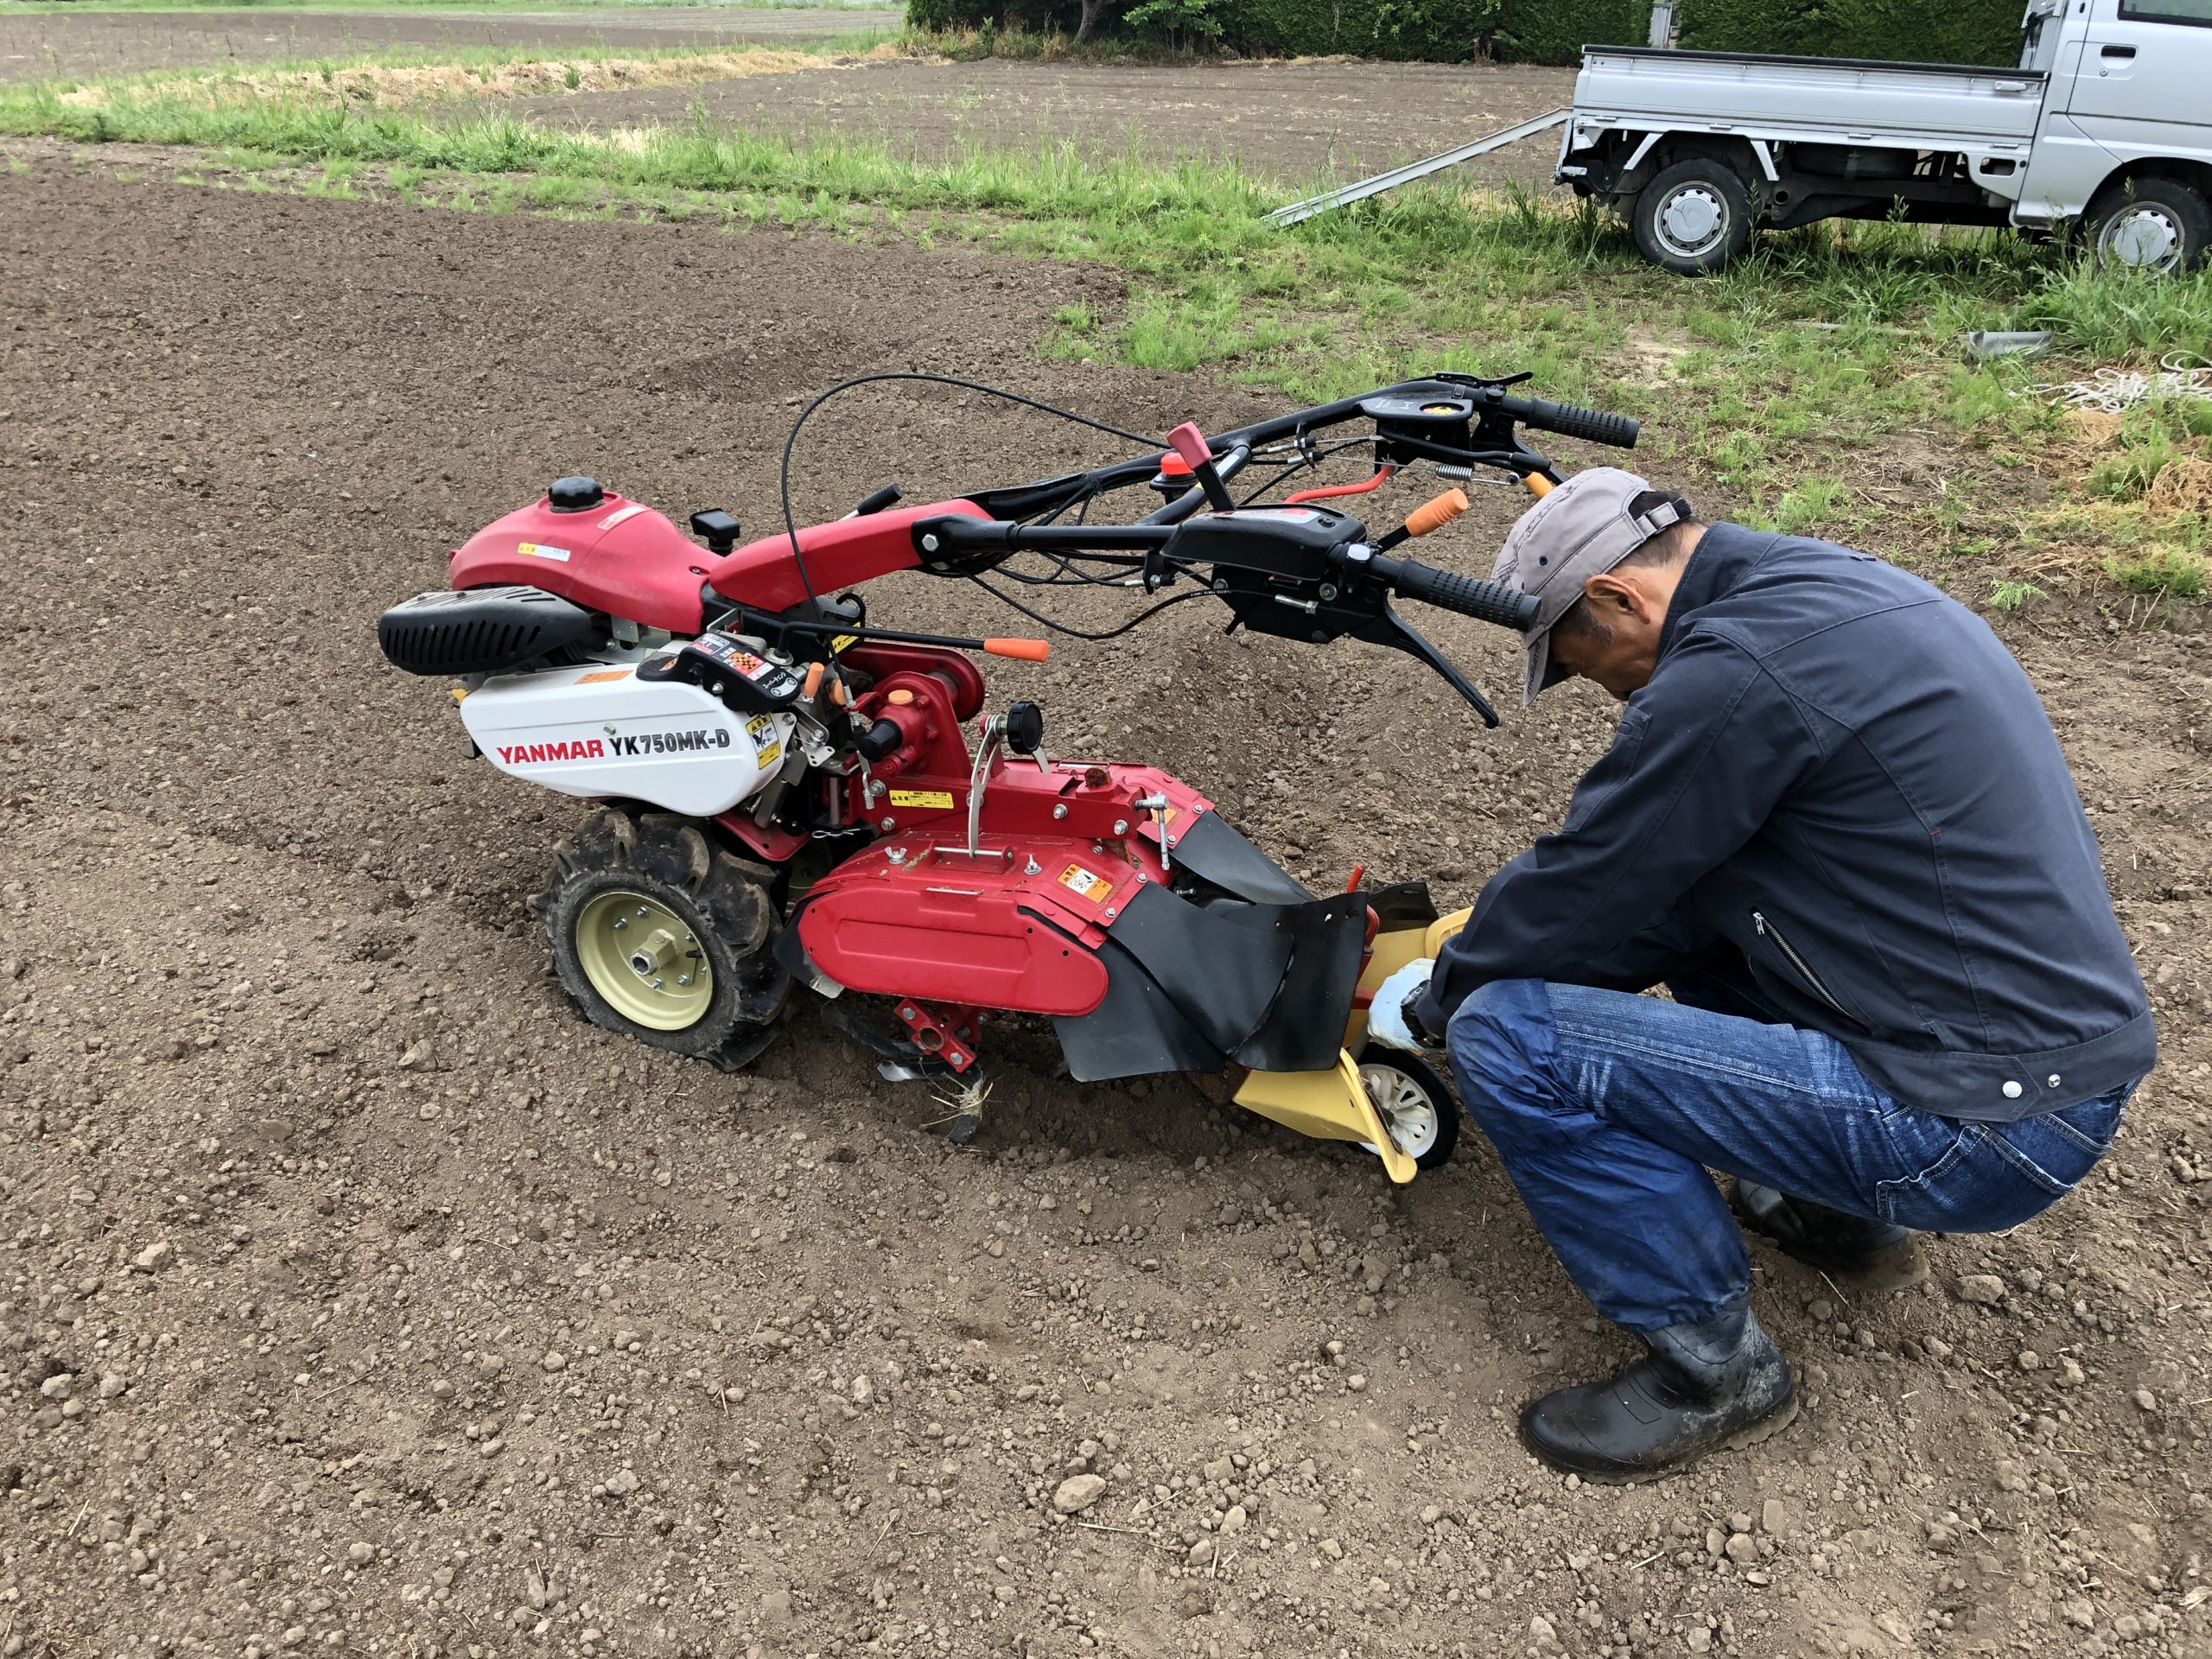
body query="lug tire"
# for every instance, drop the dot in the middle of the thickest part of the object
(1693, 218)
(1417, 1086)
(2161, 225)
(667, 864)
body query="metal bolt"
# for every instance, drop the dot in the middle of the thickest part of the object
(621, 922)
(1121, 826)
(683, 979)
(1033, 867)
(1328, 590)
(928, 544)
(1060, 811)
(897, 855)
(658, 986)
(1110, 914)
(891, 823)
(2052, 1080)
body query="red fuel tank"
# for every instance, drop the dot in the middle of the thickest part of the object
(615, 556)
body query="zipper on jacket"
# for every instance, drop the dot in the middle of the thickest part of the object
(1768, 930)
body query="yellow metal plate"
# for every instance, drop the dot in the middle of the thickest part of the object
(1330, 1105)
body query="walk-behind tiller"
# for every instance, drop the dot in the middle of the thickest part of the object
(790, 796)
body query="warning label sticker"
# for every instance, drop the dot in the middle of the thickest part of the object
(767, 745)
(1086, 884)
(601, 677)
(540, 550)
(939, 799)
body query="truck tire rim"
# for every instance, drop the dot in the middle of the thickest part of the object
(1405, 1108)
(1692, 221)
(2142, 238)
(644, 960)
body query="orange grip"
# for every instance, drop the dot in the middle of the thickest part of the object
(1026, 651)
(1436, 513)
(1537, 484)
(813, 681)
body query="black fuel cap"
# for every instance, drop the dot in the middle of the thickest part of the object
(575, 494)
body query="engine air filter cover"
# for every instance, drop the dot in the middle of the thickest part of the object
(483, 630)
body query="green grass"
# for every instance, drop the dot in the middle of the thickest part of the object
(1819, 381)
(2163, 573)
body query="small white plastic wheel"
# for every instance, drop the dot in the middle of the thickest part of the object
(1416, 1106)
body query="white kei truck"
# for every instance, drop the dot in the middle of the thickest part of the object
(2106, 125)
(2105, 128)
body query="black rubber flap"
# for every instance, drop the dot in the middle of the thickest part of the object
(1270, 986)
(1211, 848)
(1135, 1032)
(1304, 1030)
(1222, 971)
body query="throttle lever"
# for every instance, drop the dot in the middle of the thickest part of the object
(1191, 443)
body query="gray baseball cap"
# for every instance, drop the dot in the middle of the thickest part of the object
(1581, 529)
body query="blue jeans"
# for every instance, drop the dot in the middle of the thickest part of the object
(1607, 1108)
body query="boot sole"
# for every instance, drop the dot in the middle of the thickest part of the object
(1765, 1429)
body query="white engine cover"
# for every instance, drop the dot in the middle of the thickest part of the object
(597, 730)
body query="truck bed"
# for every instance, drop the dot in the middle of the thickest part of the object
(1907, 105)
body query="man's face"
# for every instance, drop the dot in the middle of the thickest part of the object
(1623, 613)
(1618, 642)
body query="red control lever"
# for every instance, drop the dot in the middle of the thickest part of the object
(1191, 443)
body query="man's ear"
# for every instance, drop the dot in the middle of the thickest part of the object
(1610, 591)
(1607, 592)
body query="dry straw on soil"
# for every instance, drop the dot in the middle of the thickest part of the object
(381, 87)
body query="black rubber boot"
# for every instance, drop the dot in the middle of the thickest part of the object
(1872, 1255)
(1719, 1382)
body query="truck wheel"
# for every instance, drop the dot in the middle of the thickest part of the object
(1693, 218)
(2158, 225)
(659, 934)
(1418, 1111)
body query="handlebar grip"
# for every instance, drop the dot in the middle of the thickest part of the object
(1593, 425)
(1486, 602)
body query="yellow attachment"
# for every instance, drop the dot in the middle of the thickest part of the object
(1394, 951)
(1329, 1105)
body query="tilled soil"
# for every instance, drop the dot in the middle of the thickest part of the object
(89, 44)
(357, 1296)
(1286, 121)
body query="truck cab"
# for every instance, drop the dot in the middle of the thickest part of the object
(2105, 126)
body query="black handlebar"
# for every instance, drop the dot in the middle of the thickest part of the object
(1485, 601)
(1593, 425)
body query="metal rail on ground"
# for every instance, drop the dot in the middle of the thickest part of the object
(1299, 211)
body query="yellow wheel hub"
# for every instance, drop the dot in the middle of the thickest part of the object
(644, 960)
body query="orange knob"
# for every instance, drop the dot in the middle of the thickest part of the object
(1436, 513)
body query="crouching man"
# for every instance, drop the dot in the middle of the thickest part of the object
(1835, 824)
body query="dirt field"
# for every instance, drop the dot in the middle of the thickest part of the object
(41, 45)
(1284, 121)
(358, 1298)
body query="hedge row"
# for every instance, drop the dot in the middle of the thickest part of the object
(1960, 31)
(1442, 31)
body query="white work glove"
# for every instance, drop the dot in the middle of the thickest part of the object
(1386, 1016)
